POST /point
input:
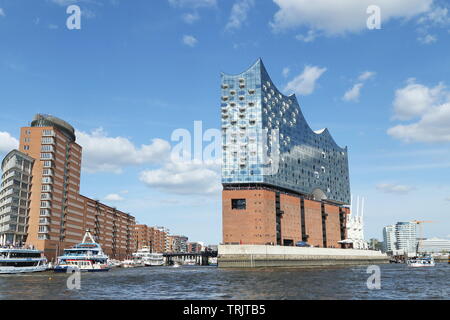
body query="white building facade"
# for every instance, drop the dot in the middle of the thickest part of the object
(434, 245)
(389, 239)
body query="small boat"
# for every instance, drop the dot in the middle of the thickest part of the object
(426, 261)
(21, 260)
(149, 258)
(86, 256)
(176, 265)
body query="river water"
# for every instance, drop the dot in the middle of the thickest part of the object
(397, 282)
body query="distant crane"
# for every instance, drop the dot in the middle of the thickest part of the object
(419, 223)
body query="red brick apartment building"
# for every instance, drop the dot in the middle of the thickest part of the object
(56, 215)
(156, 238)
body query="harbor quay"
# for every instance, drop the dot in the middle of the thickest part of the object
(254, 256)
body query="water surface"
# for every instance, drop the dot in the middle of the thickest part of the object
(397, 282)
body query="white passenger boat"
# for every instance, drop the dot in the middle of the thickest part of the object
(20, 260)
(86, 256)
(427, 261)
(148, 258)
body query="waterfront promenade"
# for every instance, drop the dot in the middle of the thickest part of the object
(253, 256)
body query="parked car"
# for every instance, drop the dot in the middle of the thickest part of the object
(302, 244)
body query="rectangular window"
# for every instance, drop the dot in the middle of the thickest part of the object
(47, 164)
(238, 204)
(47, 140)
(46, 147)
(47, 133)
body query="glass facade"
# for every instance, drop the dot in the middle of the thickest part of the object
(267, 140)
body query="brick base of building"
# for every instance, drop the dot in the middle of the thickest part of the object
(269, 216)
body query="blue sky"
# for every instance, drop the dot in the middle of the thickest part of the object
(138, 70)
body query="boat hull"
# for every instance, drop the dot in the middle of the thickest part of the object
(65, 269)
(16, 270)
(419, 265)
(154, 264)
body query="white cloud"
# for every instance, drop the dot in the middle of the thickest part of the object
(438, 16)
(394, 188)
(184, 178)
(102, 153)
(2, 13)
(190, 41)
(190, 18)
(114, 197)
(416, 99)
(310, 36)
(67, 2)
(427, 39)
(305, 82)
(64, 2)
(366, 75)
(193, 3)
(434, 126)
(7, 142)
(286, 71)
(430, 105)
(239, 13)
(340, 17)
(353, 93)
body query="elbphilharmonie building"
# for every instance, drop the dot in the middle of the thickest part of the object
(283, 182)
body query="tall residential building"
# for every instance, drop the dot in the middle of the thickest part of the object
(406, 237)
(401, 238)
(14, 197)
(282, 181)
(389, 239)
(57, 214)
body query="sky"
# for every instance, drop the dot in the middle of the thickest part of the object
(138, 70)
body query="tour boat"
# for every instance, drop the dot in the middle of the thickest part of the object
(21, 260)
(148, 258)
(421, 262)
(86, 256)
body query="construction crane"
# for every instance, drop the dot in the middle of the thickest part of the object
(419, 223)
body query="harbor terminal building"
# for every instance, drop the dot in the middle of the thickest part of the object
(282, 181)
(40, 200)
